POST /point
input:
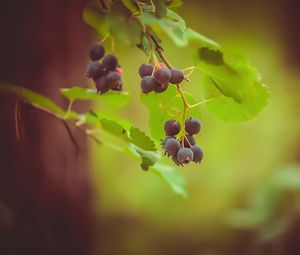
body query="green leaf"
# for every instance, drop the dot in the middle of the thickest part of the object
(95, 18)
(177, 19)
(122, 26)
(140, 139)
(214, 57)
(172, 177)
(36, 99)
(202, 41)
(236, 86)
(172, 28)
(119, 128)
(148, 158)
(111, 97)
(165, 106)
(110, 124)
(112, 127)
(173, 25)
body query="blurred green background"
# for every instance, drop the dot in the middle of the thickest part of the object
(244, 197)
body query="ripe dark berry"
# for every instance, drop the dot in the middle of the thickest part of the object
(172, 127)
(96, 52)
(171, 147)
(189, 141)
(148, 84)
(110, 62)
(185, 155)
(95, 70)
(102, 85)
(159, 88)
(175, 160)
(113, 79)
(176, 76)
(145, 70)
(163, 142)
(192, 126)
(162, 75)
(198, 153)
(104, 89)
(100, 82)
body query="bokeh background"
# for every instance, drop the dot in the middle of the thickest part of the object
(243, 199)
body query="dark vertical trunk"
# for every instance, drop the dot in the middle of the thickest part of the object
(291, 32)
(45, 193)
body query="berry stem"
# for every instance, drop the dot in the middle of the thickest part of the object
(205, 101)
(160, 51)
(139, 5)
(103, 39)
(112, 44)
(17, 119)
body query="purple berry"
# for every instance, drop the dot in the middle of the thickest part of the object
(148, 84)
(171, 147)
(162, 75)
(145, 70)
(189, 141)
(198, 153)
(172, 127)
(97, 52)
(110, 62)
(185, 155)
(176, 76)
(192, 126)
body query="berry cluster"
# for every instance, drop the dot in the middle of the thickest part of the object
(183, 150)
(106, 75)
(157, 78)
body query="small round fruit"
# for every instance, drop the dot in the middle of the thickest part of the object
(162, 75)
(176, 76)
(97, 52)
(163, 142)
(198, 153)
(110, 62)
(185, 155)
(148, 84)
(113, 79)
(100, 82)
(95, 70)
(159, 88)
(145, 70)
(189, 141)
(172, 127)
(171, 147)
(104, 89)
(192, 126)
(175, 160)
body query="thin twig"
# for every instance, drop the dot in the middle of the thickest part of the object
(71, 137)
(16, 114)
